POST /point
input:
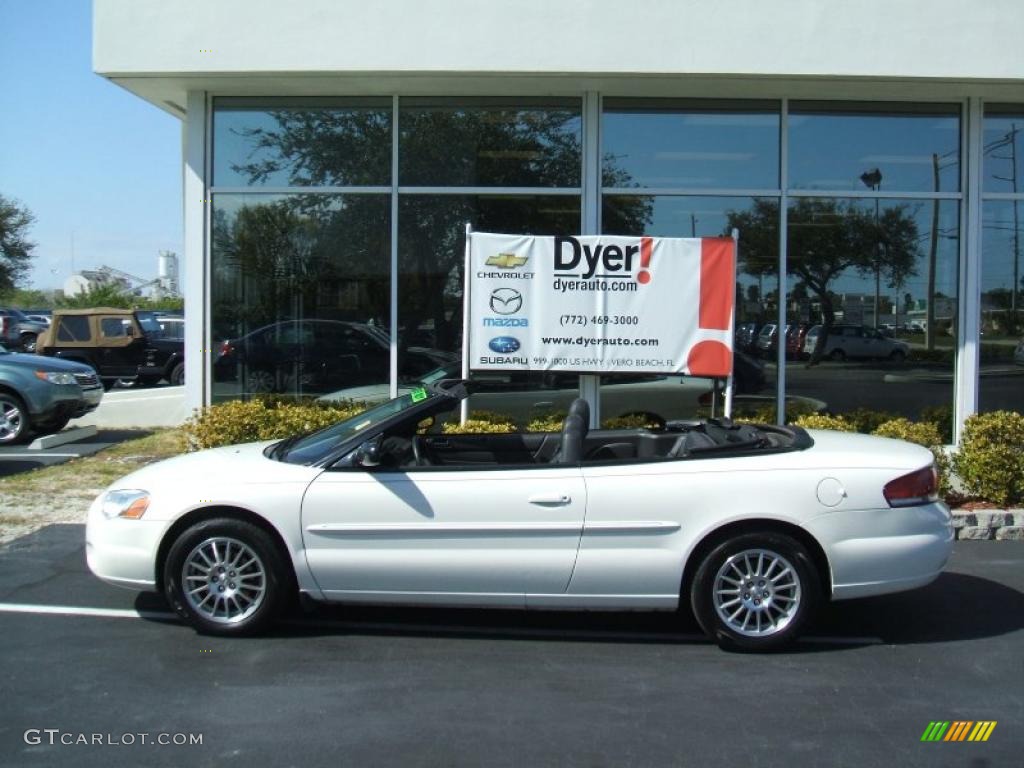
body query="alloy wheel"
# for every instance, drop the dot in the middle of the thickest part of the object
(224, 580)
(757, 593)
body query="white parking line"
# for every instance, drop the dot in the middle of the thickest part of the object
(69, 610)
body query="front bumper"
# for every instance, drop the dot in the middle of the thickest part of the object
(878, 551)
(122, 552)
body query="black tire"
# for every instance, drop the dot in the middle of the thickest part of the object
(15, 422)
(28, 343)
(804, 597)
(177, 377)
(258, 601)
(898, 356)
(837, 355)
(49, 427)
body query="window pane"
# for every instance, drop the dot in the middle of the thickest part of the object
(847, 257)
(309, 143)
(1003, 169)
(691, 145)
(855, 146)
(431, 253)
(1002, 307)
(300, 294)
(73, 328)
(756, 286)
(490, 143)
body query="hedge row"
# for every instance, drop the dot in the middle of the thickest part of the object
(989, 463)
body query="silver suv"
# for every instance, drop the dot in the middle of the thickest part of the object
(17, 331)
(856, 341)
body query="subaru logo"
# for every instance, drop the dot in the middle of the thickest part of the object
(504, 345)
(506, 301)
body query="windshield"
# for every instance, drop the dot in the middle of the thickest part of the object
(312, 448)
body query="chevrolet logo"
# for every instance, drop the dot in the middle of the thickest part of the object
(506, 261)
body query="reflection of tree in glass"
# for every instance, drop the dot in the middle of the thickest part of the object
(274, 259)
(826, 238)
(500, 147)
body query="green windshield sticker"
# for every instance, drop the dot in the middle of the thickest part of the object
(418, 394)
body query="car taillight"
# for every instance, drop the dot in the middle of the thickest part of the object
(918, 487)
(226, 348)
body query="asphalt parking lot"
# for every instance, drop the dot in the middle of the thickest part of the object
(406, 687)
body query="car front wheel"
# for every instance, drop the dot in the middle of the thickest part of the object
(755, 592)
(14, 419)
(226, 577)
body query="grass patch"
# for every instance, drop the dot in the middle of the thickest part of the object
(93, 473)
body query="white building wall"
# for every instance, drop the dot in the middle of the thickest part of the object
(869, 38)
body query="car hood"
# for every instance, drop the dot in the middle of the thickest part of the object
(216, 471)
(41, 363)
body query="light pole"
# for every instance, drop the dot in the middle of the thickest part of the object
(873, 180)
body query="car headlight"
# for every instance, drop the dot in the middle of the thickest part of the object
(128, 504)
(56, 378)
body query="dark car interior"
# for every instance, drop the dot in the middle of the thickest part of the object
(404, 448)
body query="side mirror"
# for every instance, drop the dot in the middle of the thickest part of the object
(368, 454)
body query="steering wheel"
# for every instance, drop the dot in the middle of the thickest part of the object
(419, 453)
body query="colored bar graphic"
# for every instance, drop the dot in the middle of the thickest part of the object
(958, 730)
(717, 288)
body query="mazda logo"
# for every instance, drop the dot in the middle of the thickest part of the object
(506, 301)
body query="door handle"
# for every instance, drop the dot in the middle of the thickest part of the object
(550, 500)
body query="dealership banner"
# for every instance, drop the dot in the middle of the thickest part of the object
(601, 304)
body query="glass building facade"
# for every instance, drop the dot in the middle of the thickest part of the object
(336, 240)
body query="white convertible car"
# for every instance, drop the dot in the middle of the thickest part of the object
(751, 526)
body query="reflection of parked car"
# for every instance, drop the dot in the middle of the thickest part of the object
(120, 344)
(747, 525)
(746, 336)
(795, 336)
(317, 356)
(856, 341)
(523, 396)
(1018, 353)
(18, 331)
(39, 395)
(171, 326)
(767, 340)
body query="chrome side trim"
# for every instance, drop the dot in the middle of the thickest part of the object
(635, 526)
(421, 529)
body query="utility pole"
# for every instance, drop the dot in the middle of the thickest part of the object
(873, 180)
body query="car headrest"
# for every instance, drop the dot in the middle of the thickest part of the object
(573, 432)
(581, 408)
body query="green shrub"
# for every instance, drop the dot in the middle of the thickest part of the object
(990, 462)
(923, 433)
(547, 422)
(247, 421)
(867, 420)
(478, 426)
(630, 421)
(822, 421)
(942, 417)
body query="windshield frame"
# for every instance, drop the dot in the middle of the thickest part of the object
(332, 442)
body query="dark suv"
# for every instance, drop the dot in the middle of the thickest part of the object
(121, 344)
(18, 331)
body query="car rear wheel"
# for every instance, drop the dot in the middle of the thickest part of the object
(897, 355)
(177, 377)
(838, 355)
(28, 343)
(755, 592)
(226, 577)
(14, 419)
